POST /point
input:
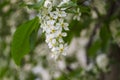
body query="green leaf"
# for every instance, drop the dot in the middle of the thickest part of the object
(21, 39)
(3, 71)
(105, 37)
(33, 38)
(85, 9)
(36, 5)
(95, 47)
(72, 75)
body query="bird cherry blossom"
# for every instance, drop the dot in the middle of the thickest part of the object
(55, 26)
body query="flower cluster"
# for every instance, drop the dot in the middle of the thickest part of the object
(54, 27)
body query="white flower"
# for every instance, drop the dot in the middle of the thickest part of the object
(77, 16)
(63, 2)
(61, 13)
(49, 38)
(53, 15)
(63, 24)
(63, 49)
(50, 23)
(54, 43)
(47, 4)
(61, 34)
(102, 61)
(60, 40)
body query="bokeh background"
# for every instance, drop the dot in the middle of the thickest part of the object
(93, 54)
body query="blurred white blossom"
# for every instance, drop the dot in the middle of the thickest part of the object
(102, 61)
(39, 70)
(78, 15)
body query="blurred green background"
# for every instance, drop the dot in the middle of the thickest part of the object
(94, 49)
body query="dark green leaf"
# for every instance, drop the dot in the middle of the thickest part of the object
(105, 37)
(85, 9)
(33, 38)
(21, 39)
(3, 71)
(94, 48)
(71, 75)
(34, 6)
